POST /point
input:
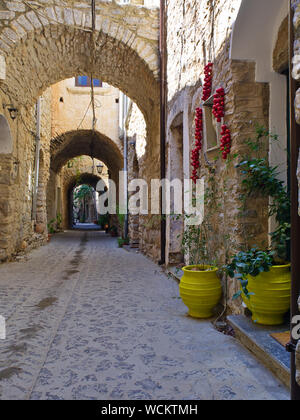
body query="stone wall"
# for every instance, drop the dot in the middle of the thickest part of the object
(42, 43)
(19, 232)
(72, 110)
(137, 143)
(197, 34)
(296, 75)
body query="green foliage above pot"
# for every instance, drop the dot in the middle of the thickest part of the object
(259, 177)
(251, 263)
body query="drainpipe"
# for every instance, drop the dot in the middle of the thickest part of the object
(295, 230)
(163, 101)
(125, 179)
(37, 157)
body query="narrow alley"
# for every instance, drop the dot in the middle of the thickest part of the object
(149, 200)
(87, 320)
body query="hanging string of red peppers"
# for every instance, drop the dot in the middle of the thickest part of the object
(219, 104)
(219, 113)
(198, 144)
(208, 71)
(225, 141)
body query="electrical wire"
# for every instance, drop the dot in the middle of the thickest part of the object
(84, 115)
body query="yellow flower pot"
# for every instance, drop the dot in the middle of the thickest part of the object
(271, 295)
(200, 291)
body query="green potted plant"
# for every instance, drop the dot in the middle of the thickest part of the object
(200, 287)
(264, 274)
(265, 285)
(122, 242)
(51, 229)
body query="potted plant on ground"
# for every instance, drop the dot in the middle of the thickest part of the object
(200, 287)
(265, 285)
(264, 274)
(51, 229)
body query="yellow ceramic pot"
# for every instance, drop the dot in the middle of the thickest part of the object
(271, 295)
(200, 291)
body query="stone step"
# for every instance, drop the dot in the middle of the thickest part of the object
(267, 350)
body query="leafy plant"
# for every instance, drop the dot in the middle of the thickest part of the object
(196, 237)
(50, 226)
(260, 177)
(194, 244)
(122, 242)
(121, 217)
(58, 220)
(251, 263)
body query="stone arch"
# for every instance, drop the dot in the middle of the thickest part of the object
(42, 44)
(6, 142)
(85, 178)
(86, 142)
(54, 43)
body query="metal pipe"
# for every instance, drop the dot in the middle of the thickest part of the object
(127, 107)
(295, 219)
(37, 158)
(163, 101)
(126, 182)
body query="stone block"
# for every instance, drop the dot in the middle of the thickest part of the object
(2, 68)
(7, 15)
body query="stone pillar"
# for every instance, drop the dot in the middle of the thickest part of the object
(296, 76)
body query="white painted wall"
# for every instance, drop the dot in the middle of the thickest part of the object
(253, 38)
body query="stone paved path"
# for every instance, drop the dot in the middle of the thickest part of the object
(86, 320)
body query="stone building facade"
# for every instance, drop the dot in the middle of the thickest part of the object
(41, 44)
(248, 46)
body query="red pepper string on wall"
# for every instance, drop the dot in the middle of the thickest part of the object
(219, 113)
(195, 160)
(225, 141)
(219, 104)
(207, 81)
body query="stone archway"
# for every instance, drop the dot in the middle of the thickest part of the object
(86, 142)
(54, 43)
(85, 179)
(42, 44)
(76, 144)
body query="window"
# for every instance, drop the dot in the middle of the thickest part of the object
(85, 81)
(211, 127)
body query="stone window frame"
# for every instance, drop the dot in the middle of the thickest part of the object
(208, 105)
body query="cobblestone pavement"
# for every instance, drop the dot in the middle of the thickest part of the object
(86, 320)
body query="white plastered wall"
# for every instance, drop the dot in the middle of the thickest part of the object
(253, 39)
